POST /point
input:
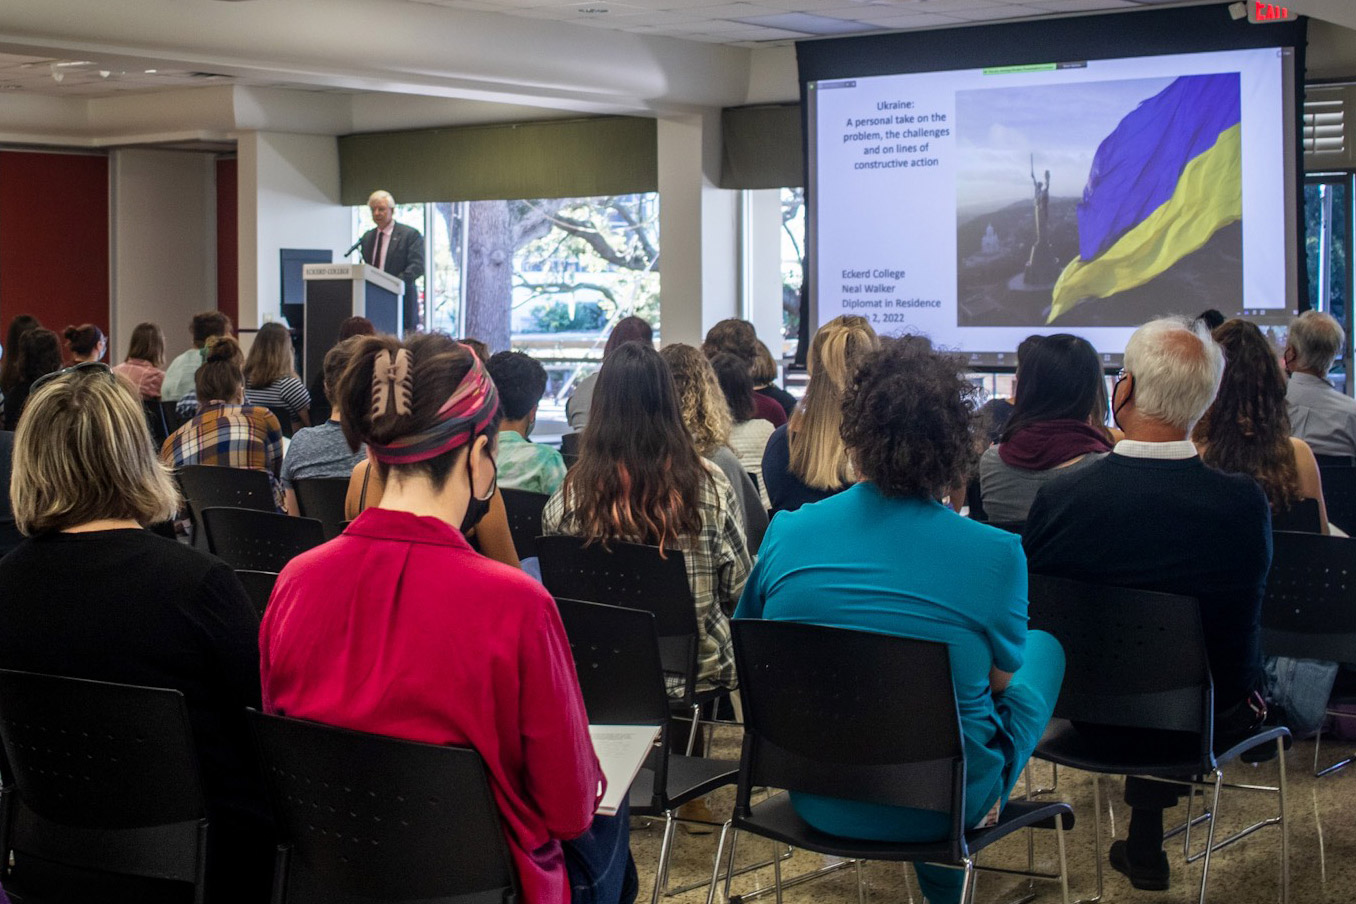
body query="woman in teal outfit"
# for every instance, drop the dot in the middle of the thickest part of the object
(887, 556)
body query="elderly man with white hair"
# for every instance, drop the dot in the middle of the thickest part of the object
(1152, 516)
(1319, 414)
(397, 249)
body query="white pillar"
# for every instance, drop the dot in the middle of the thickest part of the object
(698, 230)
(763, 256)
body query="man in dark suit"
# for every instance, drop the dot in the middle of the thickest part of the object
(397, 249)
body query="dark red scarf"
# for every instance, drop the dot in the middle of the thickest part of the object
(1046, 444)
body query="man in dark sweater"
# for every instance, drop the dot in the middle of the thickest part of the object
(1152, 516)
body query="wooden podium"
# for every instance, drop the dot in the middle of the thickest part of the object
(336, 292)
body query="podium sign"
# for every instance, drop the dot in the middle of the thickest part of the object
(336, 292)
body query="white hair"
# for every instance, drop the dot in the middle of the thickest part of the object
(382, 195)
(1317, 339)
(1177, 368)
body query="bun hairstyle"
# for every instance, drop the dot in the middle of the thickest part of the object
(222, 373)
(83, 339)
(416, 403)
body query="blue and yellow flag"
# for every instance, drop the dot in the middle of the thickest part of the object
(1166, 179)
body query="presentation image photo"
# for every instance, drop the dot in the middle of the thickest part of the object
(1098, 203)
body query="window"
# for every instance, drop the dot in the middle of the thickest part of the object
(793, 266)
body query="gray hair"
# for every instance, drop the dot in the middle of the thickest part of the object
(1317, 339)
(382, 195)
(1177, 368)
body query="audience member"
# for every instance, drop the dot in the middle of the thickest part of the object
(39, 355)
(179, 375)
(1057, 427)
(748, 434)
(907, 423)
(322, 450)
(1247, 429)
(1212, 319)
(764, 379)
(397, 627)
(9, 532)
(9, 365)
(1320, 414)
(523, 464)
(145, 358)
(705, 414)
(805, 459)
(478, 348)
(226, 432)
(271, 374)
(737, 337)
(996, 412)
(628, 329)
(87, 343)
(92, 595)
(320, 403)
(1151, 515)
(639, 479)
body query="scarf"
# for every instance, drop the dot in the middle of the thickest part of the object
(1046, 444)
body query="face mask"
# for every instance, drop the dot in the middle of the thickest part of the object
(477, 507)
(1116, 409)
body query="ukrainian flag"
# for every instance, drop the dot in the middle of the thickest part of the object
(1162, 183)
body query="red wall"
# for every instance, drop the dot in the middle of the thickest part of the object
(54, 239)
(228, 300)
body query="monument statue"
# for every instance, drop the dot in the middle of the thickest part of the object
(1042, 267)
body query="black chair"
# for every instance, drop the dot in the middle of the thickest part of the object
(1301, 517)
(322, 498)
(259, 586)
(169, 412)
(285, 421)
(569, 448)
(636, 577)
(1339, 493)
(616, 655)
(259, 541)
(1012, 527)
(1334, 461)
(205, 486)
(1309, 611)
(814, 723)
(524, 518)
(155, 421)
(367, 819)
(103, 777)
(1136, 661)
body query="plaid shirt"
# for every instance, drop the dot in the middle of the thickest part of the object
(718, 564)
(230, 436)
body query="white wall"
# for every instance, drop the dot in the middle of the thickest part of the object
(288, 198)
(163, 232)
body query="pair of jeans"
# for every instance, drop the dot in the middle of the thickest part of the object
(599, 861)
(1301, 687)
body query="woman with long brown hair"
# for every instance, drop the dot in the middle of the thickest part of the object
(1247, 429)
(9, 365)
(145, 362)
(640, 479)
(87, 343)
(271, 374)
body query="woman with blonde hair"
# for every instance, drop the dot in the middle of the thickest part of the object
(271, 375)
(86, 482)
(707, 419)
(145, 363)
(806, 460)
(764, 379)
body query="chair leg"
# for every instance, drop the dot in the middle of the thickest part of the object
(665, 847)
(715, 863)
(1284, 824)
(861, 892)
(1210, 834)
(1063, 861)
(696, 726)
(968, 884)
(729, 867)
(777, 876)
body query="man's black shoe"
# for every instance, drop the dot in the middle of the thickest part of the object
(1144, 876)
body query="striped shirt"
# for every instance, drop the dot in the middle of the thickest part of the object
(285, 392)
(230, 436)
(717, 562)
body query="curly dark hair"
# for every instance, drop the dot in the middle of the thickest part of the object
(907, 417)
(1246, 430)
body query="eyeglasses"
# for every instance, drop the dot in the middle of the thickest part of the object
(74, 368)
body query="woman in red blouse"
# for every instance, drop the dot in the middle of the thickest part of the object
(398, 627)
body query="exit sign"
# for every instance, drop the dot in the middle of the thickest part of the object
(1260, 11)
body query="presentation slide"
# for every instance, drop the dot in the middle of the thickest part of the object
(980, 206)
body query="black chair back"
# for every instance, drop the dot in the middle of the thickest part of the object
(169, 412)
(322, 498)
(635, 577)
(155, 421)
(814, 723)
(1335, 461)
(103, 776)
(1309, 610)
(1339, 493)
(1133, 658)
(1012, 527)
(259, 541)
(259, 587)
(1302, 516)
(284, 416)
(367, 818)
(206, 486)
(524, 518)
(616, 656)
(569, 448)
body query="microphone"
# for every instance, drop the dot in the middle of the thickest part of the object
(353, 248)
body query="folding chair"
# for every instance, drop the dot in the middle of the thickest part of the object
(322, 498)
(259, 586)
(524, 518)
(259, 541)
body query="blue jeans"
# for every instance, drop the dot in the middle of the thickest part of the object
(1301, 687)
(599, 862)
